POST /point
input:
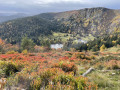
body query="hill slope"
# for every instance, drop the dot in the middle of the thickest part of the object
(95, 21)
(84, 22)
(33, 27)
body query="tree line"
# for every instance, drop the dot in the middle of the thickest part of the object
(105, 41)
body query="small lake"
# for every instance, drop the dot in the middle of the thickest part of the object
(56, 46)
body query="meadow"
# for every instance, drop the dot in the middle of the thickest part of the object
(60, 70)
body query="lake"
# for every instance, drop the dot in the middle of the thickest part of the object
(56, 46)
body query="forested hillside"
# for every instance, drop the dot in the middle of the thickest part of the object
(87, 22)
(106, 41)
(94, 21)
(33, 27)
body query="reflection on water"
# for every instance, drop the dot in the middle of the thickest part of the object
(56, 46)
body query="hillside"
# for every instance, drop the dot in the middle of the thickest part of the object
(107, 40)
(87, 22)
(95, 21)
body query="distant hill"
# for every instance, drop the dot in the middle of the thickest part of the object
(6, 16)
(89, 21)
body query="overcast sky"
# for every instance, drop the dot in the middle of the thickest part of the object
(41, 6)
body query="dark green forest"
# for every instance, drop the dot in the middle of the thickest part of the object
(33, 27)
(107, 40)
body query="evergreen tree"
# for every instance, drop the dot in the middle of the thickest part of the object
(27, 44)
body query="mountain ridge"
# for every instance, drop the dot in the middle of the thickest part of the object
(5, 17)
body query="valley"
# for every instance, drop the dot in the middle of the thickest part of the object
(54, 51)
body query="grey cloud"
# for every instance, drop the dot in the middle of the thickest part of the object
(31, 6)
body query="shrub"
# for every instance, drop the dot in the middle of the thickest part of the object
(36, 84)
(69, 82)
(59, 87)
(70, 67)
(92, 57)
(9, 68)
(11, 52)
(2, 83)
(66, 67)
(46, 75)
(81, 56)
(112, 64)
(63, 79)
(25, 51)
(22, 79)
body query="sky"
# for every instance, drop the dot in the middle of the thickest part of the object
(43, 6)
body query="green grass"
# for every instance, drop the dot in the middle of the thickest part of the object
(105, 80)
(66, 36)
(113, 49)
(87, 38)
